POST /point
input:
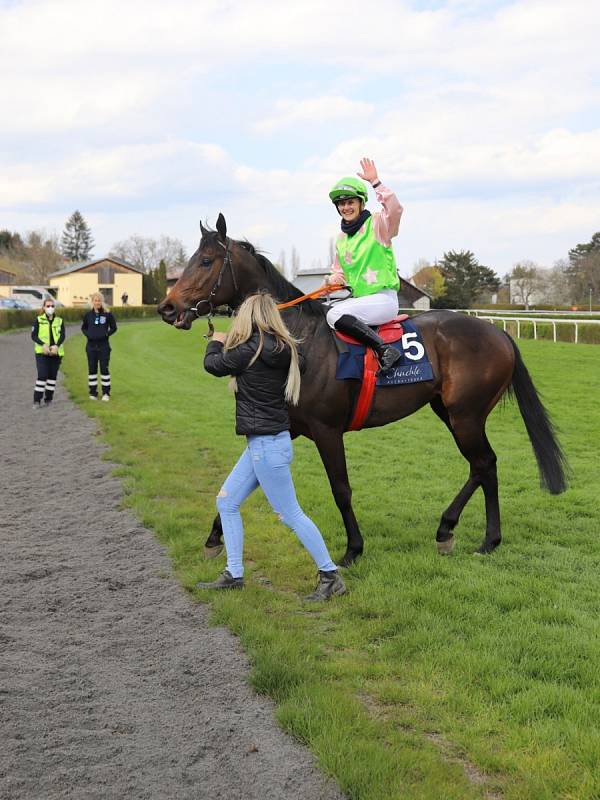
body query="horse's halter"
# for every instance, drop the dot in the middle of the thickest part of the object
(217, 285)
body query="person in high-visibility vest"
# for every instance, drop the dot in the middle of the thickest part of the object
(364, 261)
(48, 334)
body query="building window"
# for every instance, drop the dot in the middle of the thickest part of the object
(106, 275)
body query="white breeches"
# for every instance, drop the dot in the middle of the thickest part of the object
(374, 309)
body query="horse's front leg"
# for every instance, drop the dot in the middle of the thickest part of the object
(330, 444)
(213, 546)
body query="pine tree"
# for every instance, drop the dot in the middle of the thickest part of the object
(149, 290)
(76, 242)
(161, 279)
(465, 278)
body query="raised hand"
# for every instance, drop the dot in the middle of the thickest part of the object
(369, 171)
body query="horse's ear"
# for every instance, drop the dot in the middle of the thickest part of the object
(222, 228)
(203, 230)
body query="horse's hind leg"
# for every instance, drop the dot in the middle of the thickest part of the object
(445, 532)
(469, 435)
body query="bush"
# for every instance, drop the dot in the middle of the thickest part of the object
(589, 334)
(11, 318)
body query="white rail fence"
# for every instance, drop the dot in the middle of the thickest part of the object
(535, 322)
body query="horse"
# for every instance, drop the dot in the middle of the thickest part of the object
(474, 365)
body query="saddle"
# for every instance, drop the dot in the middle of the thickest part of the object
(389, 332)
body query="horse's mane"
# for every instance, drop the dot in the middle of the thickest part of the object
(278, 283)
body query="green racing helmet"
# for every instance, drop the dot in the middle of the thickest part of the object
(349, 187)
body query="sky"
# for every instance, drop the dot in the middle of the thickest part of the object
(482, 115)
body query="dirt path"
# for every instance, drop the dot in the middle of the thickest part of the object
(112, 685)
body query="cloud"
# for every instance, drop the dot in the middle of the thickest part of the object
(138, 172)
(314, 111)
(483, 115)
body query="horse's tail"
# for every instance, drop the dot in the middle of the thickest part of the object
(552, 462)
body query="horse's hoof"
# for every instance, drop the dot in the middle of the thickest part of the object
(348, 559)
(445, 548)
(486, 549)
(212, 552)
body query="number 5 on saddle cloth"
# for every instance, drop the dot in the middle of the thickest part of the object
(357, 362)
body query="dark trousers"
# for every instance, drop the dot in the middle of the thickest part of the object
(47, 370)
(98, 354)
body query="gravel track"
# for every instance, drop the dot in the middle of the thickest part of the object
(112, 684)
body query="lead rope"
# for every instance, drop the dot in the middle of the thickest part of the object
(320, 292)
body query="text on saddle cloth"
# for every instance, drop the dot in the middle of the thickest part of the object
(413, 367)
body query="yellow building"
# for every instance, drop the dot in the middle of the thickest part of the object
(110, 276)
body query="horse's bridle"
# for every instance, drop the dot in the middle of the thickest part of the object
(217, 285)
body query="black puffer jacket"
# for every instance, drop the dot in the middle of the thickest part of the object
(260, 403)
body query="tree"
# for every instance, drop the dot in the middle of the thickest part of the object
(583, 272)
(10, 243)
(581, 251)
(42, 256)
(295, 262)
(557, 291)
(430, 280)
(76, 242)
(280, 263)
(331, 251)
(31, 257)
(149, 290)
(154, 284)
(161, 279)
(526, 280)
(146, 253)
(465, 278)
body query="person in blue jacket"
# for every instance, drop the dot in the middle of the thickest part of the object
(97, 326)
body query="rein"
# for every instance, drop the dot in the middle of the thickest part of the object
(320, 292)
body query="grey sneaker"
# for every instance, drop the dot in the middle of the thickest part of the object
(329, 583)
(224, 581)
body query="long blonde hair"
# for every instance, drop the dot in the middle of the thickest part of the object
(260, 311)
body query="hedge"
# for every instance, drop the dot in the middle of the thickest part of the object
(19, 318)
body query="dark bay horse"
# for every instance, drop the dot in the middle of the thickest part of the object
(473, 362)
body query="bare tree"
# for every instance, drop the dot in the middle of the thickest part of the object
(557, 286)
(526, 280)
(34, 257)
(146, 253)
(295, 262)
(280, 263)
(331, 253)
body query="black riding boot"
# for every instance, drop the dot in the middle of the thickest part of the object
(386, 354)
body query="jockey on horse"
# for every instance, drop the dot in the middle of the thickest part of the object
(365, 262)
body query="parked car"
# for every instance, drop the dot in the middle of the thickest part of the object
(10, 302)
(34, 295)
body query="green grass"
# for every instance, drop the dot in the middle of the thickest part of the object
(460, 677)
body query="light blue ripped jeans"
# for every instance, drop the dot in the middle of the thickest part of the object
(266, 463)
